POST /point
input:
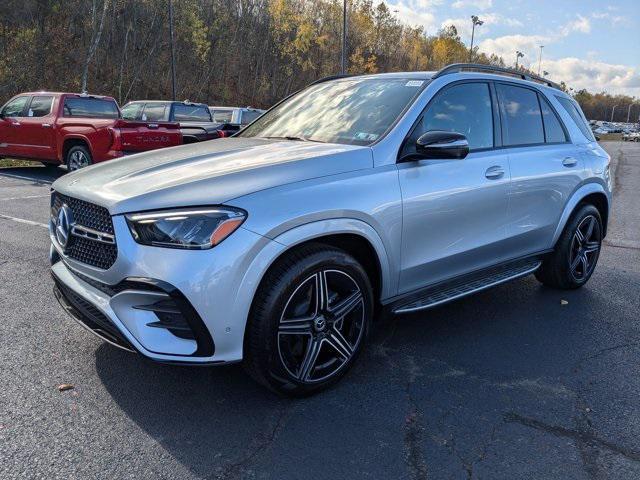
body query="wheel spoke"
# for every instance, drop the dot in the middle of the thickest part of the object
(310, 358)
(296, 326)
(575, 263)
(590, 227)
(585, 263)
(347, 305)
(339, 344)
(322, 293)
(579, 236)
(591, 247)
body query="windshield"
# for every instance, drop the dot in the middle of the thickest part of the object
(352, 111)
(222, 116)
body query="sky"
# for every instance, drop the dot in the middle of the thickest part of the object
(588, 44)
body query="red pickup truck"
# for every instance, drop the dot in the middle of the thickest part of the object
(76, 129)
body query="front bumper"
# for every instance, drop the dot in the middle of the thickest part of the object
(208, 286)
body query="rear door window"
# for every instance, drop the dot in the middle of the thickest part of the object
(155, 112)
(90, 108)
(15, 107)
(575, 112)
(521, 116)
(40, 106)
(553, 131)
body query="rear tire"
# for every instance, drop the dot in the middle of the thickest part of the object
(576, 253)
(309, 321)
(78, 157)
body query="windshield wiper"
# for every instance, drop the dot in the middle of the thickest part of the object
(297, 139)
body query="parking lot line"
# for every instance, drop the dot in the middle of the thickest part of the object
(31, 179)
(24, 197)
(23, 220)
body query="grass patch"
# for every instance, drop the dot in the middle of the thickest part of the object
(9, 162)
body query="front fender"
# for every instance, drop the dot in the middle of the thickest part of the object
(575, 199)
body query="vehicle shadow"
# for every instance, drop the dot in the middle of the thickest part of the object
(36, 173)
(216, 421)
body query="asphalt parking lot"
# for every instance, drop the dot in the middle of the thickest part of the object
(510, 383)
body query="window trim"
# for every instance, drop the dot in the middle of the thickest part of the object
(52, 97)
(400, 157)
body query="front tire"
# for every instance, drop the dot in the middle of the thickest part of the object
(78, 157)
(309, 321)
(576, 253)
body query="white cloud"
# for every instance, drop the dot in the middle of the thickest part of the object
(614, 20)
(594, 76)
(463, 25)
(579, 24)
(473, 4)
(507, 45)
(415, 12)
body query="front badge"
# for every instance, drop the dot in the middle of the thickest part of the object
(64, 221)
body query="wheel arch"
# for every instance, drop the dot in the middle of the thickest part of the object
(70, 142)
(591, 193)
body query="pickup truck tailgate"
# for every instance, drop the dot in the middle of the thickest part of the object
(142, 136)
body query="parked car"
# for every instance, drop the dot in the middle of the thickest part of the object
(195, 119)
(631, 137)
(235, 115)
(275, 247)
(75, 129)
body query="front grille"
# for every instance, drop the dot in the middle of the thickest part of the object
(82, 249)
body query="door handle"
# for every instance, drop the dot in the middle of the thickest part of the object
(569, 162)
(495, 172)
(15, 124)
(46, 125)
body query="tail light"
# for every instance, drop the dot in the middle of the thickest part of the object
(116, 139)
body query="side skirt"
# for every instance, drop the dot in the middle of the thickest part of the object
(464, 285)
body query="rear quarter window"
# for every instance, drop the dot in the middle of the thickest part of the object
(90, 108)
(575, 112)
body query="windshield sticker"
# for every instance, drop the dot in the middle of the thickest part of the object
(414, 83)
(366, 136)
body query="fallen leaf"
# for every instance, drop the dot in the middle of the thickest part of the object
(64, 387)
(564, 302)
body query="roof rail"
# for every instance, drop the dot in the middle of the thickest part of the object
(479, 67)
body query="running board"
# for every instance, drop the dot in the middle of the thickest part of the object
(447, 291)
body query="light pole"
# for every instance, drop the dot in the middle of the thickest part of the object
(519, 55)
(343, 69)
(475, 21)
(173, 53)
(612, 111)
(629, 110)
(540, 59)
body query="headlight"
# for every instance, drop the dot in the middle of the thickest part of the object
(193, 228)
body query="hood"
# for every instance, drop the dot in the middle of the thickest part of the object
(207, 173)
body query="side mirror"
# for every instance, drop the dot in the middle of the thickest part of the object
(438, 144)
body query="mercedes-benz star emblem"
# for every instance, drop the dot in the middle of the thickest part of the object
(63, 225)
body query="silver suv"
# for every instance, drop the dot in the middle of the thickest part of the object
(277, 247)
